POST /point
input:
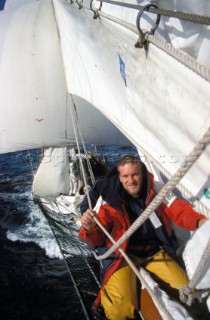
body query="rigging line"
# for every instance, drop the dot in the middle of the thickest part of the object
(174, 14)
(174, 53)
(30, 160)
(71, 275)
(73, 115)
(86, 153)
(169, 186)
(182, 57)
(141, 273)
(184, 191)
(177, 54)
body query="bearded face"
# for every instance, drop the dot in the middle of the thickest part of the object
(130, 176)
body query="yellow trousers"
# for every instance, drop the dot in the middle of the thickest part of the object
(119, 296)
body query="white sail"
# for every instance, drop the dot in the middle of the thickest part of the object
(52, 176)
(157, 103)
(163, 107)
(33, 89)
(34, 107)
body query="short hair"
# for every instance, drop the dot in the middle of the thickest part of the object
(129, 159)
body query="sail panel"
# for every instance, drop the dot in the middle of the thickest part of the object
(33, 94)
(158, 103)
(32, 82)
(52, 176)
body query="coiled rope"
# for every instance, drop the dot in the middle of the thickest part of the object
(190, 159)
(186, 292)
(175, 14)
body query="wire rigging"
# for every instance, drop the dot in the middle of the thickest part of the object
(175, 14)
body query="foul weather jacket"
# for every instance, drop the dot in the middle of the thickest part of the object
(114, 217)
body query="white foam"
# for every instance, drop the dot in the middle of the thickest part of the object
(38, 231)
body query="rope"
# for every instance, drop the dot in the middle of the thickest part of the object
(190, 159)
(175, 14)
(88, 161)
(182, 57)
(205, 73)
(140, 277)
(187, 293)
(177, 54)
(196, 203)
(73, 115)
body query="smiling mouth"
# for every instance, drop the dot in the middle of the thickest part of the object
(132, 186)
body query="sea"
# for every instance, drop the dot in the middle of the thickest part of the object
(46, 272)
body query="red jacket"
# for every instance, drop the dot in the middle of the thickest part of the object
(116, 221)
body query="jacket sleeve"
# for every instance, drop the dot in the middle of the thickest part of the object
(95, 236)
(182, 214)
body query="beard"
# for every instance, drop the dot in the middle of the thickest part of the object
(135, 192)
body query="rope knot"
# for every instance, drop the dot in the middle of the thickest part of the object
(186, 295)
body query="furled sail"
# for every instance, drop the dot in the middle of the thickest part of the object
(34, 106)
(158, 103)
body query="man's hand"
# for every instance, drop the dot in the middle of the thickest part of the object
(87, 220)
(202, 221)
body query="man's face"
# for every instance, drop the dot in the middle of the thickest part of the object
(131, 178)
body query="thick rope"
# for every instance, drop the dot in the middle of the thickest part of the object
(187, 293)
(193, 156)
(200, 207)
(192, 64)
(182, 57)
(177, 54)
(175, 14)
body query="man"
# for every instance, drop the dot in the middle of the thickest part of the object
(126, 191)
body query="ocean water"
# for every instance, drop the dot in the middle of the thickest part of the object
(36, 282)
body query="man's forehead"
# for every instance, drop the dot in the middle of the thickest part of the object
(129, 167)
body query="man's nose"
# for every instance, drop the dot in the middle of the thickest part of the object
(130, 179)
